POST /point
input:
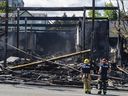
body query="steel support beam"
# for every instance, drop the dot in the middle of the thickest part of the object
(93, 28)
(83, 29)
(6, 34)
(119, 45)
(65, 8)
(61, 8)
(49, 30)
(60, 18)
(18, 28)
(26, 39)
(42, 25)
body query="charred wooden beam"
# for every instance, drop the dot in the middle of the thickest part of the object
(52, 59)
(122, 70)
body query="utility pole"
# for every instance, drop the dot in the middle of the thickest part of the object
(6, 34)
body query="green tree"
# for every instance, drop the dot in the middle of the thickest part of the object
(111, 14)
(97, 13)
(2, 4)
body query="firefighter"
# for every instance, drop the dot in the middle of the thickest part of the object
(103, 71)
(85, 74)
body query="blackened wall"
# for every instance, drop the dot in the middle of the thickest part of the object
(42, 43)
(55, 43)
(101, 38)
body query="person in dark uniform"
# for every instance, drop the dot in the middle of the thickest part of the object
(103, 72)
(86, 77)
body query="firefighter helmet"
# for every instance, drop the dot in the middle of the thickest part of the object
(86, 61)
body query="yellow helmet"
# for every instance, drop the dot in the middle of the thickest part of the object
(86, 61)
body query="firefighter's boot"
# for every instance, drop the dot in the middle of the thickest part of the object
(104, 92)
(99, 92)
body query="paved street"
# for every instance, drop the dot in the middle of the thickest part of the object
(23, 90)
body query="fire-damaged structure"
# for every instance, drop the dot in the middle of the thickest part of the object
(52, 54)
(100, 39)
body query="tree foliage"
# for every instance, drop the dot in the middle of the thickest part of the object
(2, 4)
(111, 14)
(97, 13)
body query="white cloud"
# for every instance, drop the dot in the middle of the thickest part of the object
(58, 3)
(54, 3)
(66, 3)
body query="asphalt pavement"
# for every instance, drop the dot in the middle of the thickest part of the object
(28, 90)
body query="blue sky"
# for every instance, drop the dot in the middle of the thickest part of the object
(65, 3)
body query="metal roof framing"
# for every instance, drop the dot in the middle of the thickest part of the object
(60, 8)
(65, 8)
(41, 25)
(59, 18)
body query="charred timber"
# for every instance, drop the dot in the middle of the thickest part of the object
(51, 59)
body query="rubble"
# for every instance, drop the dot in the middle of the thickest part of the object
(52, 71)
